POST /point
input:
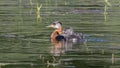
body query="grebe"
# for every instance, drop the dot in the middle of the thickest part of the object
(66, 34)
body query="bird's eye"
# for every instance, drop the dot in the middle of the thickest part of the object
(54, 23)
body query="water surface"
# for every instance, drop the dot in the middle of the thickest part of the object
(25, 41)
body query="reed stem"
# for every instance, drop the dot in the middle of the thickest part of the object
(39, 18)
(105, 9)
(31, 4)
(113, 58)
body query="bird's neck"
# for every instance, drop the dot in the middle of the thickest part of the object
(56, 32)
(59, 30)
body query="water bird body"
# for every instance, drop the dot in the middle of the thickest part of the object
(66, 34)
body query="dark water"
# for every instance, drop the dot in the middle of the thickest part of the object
(25, 42)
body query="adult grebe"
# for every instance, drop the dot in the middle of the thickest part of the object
(66, 34)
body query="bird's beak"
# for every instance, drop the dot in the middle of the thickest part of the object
(50, 26)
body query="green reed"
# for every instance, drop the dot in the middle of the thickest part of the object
(113, 57)
(20, 10)
(107, 3)
(65, 3)
(86, 46)
(39, 18)
(20, 14)
(105, 9)
(31, 4)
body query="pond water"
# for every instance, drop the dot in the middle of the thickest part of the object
(25, 40)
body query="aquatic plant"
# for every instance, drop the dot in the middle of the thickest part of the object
(113, 58)
(39, 18)
(65, 3)
(20, 15)
(86, 46)
(20, 10)
(31, 4)
(105, 9)
(107, 3)
(105, 13)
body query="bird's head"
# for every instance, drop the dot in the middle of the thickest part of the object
(56, 25)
